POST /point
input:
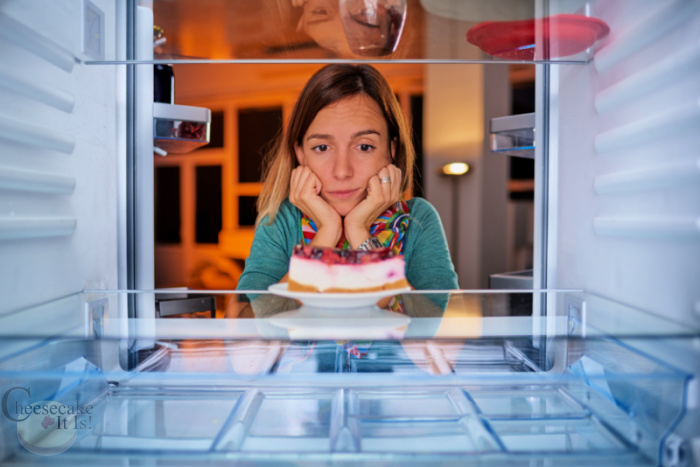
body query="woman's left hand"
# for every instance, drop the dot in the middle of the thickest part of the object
(383, 191)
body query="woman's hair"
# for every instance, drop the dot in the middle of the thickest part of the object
(331, 84)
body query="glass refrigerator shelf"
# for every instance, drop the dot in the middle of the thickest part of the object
(474, 380)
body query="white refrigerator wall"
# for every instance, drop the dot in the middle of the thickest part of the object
(625, 162)
(62, 154)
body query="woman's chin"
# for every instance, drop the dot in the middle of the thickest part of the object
(344, 209)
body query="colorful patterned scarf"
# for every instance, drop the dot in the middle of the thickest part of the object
(389, 228)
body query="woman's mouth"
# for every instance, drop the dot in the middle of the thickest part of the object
(342, 194)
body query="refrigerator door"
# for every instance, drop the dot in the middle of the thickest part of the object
(63, 146)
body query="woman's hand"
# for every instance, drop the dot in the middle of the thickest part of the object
(380, 196)
(304, 193)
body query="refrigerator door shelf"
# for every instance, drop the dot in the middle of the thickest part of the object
(180, 129)
(514, 135)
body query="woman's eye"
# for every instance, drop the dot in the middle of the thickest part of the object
(320, 148)
(366, 147)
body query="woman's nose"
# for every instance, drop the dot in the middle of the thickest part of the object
(343, 165)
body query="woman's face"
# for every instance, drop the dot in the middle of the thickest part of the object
(345, 145)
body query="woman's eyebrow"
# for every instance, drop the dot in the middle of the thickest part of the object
(366, 132)
(319, 136)
(355, 135)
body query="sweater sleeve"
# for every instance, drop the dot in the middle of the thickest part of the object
(428, 264)
(268, 261)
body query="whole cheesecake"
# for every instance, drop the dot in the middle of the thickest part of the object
(313, 269)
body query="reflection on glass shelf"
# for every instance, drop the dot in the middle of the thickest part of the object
(305, 30)
(194, 419)
(528, 404)
(570, 436)
(271, 30)
(347, 29)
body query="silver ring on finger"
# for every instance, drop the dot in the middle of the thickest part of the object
(385, 180)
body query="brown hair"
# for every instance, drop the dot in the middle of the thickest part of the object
(328, 85)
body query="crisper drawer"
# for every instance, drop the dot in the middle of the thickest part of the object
(445, 421)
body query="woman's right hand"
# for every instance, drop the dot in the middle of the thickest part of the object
(304, 193)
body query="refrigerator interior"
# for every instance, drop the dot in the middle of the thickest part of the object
(599, 365)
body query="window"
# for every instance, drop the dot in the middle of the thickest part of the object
(167, 204)
(247, 210)
(208, 203)
(257, 129)
(216, 131)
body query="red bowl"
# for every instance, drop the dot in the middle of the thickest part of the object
(559, 36)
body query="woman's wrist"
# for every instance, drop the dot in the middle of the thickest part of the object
(356, 236)
(327, 236)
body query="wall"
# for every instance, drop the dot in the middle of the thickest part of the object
(460, 101)
(453, 132)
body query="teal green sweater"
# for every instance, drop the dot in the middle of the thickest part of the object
(428, 263)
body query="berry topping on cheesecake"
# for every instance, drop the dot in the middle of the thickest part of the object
(315, 269)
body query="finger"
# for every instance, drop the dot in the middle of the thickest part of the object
(374, 187)
(293, 184)
(302, 174)
(316, 182)
(386, 180)
(384, 175)
(384, 172)
(311, 185)
(303, 177)
(395, 175)
(396, 181)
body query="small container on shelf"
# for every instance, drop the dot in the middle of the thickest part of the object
(179, 129)
(514, 135)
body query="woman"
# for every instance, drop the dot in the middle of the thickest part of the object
(336, 179)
